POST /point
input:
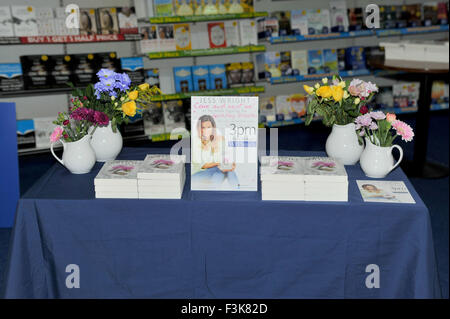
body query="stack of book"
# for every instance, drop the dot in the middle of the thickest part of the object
(282, 178)
(162, 176)
(325, 180)
(303, 178)
(117, 179)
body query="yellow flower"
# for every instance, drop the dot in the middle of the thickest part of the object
(144, 86)
(324, 91)
(129, 108)
(346, 95)
(357, 100)
(342, 84)
(133, 95)
(308, 89)
(337, 92)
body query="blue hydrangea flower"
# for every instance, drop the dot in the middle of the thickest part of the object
(105, 74)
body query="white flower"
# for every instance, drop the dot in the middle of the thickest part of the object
(317, 85)
(115, 104)
(357, 100)
(325, 80)
(112, 98)
(346, 95)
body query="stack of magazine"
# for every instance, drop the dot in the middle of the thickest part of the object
(162, 176)
(325, 180)
(303, 178)
(282, 178)
(117, 179)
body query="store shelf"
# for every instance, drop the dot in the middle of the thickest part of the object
(67, 39)
(361, 33)
(239, 90)
(211, 17)
(309, 77)
(206, 52)
(439, 107)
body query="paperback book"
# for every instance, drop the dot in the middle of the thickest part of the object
(385, 192)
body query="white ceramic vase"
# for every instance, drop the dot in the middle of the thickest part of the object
(343, 144)
(377, 161)
(106, 144)
(78, 157)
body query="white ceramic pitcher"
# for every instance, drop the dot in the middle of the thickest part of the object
(106, 144)
(343, 145)
(78, 157)
(377, 161)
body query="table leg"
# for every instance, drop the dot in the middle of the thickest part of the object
(420, 167)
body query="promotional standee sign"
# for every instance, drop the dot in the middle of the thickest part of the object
(224, 139)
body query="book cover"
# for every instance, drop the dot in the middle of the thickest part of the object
(36, 71)
(284, 22)
(134, 67)
(224, 139)
(216, 35)
(315, 62)
(183, 79)
(166, 38)
(298, 105)
(149, 39)
(200, 40)
(200, 76)
(108, 20)
(248, 74)
(286, 64)
(271, 28)
(232, 33)
(330, 61)
(248, 30)
(161, 166)
(182, 36)
(318, 21)
(153, 119)
(24, 21)
(11, 78)
(152, 77)
(25, 134)
(128, 21)
(163, 8)
(43, 128)
(355, 18)
(173, 115)
(115, 170)
(217, 77)
(299, 60)
(183, 7)
(272, 64)
(283, 108)
(385, 192)
(267, 109)
(281, 168)
(355, 58)
(299, 22)
(6, 22)
(234, 74)
(62, 67)
(318, 168)
(134, 127)
(88, 22)
(339, 18)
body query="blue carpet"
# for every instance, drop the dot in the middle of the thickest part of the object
(434, 192)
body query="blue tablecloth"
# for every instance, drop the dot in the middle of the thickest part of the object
(216, 244)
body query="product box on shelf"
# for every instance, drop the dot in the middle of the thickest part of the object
(24, 21)
(216, 35)
(248, 74)
(43, 128)
(6, 22)
(217, 77)
(439, 92)
(152, 77)
(200, 77)
(286, 64)
(232, 33)
(299, 60)
(330, 61)
(163, 8)
(299, 22)
(85, 68)
(108, 20)
(153, 119)
(183, 79)
(339, 18)
(318, 21)
(135, 127)
(355, 58)
(414, 15)
(36, 71)
(442, 13)
(234, 74)
(267, 109)
(88, 22)
(25, 134)
(134, 67)
(430, 13)
(284, 22)
(248, 31)
(173, 115)
(355, 19)
(62, 67)
(11, 78)
(315, 62)
(406, 94)
(128, 22)
(182, 33)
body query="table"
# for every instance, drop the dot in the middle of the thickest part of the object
(425, 73)
(216, 244)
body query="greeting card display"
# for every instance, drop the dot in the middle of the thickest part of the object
(224, 136)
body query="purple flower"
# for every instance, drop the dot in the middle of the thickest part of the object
(378, 115)
(101, 118)
(122, 81)
(363, 120)
(105, 74)
(373, 126)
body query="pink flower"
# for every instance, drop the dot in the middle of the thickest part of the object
(56, 135)
(390, 117)
(378, 115)
(354, 90)
(404, 130)
(363, 120)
